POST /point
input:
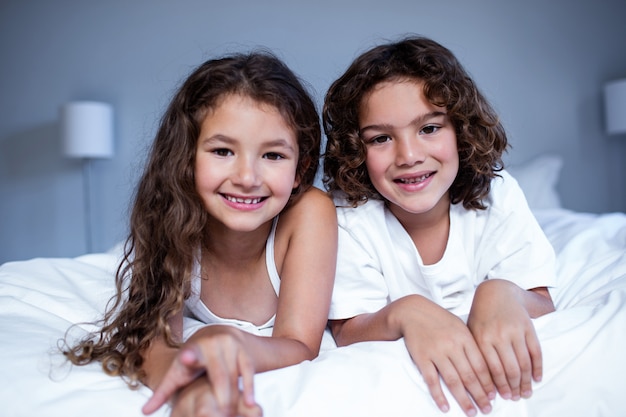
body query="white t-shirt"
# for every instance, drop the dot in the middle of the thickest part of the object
(378, 262)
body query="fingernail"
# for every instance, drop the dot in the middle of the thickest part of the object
(188, 355)
(527, 394)
(486, 409)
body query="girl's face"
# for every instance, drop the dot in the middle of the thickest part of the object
(412, 157)
(246, 163)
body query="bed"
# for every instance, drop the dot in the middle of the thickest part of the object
(583, 342)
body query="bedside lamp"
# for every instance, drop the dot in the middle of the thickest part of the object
(615, 106)
(87, 133)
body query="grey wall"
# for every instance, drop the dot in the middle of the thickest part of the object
(542, 64)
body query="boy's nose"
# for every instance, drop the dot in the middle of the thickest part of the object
(408, 151)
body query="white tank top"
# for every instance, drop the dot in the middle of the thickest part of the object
(200, 312)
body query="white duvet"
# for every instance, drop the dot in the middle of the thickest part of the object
(583, 342)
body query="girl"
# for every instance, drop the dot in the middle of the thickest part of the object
(224, 217)
(436, 244)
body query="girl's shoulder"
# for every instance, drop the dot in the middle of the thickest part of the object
(312, 207)
(311, 200)
(305, 226)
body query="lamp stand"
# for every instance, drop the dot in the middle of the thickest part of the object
(87, 204)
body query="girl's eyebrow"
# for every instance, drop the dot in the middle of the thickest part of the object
(216, 140)
(275, 143)
(282, 143)
(417, 121)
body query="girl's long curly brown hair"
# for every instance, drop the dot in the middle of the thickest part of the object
(168, 220)
(481, 139)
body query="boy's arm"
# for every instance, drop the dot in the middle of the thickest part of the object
(500, 320)
(439, 343)
(538, 302)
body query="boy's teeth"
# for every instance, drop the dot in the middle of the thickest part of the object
(413, 180)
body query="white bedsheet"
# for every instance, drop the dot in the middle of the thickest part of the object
(583, 344)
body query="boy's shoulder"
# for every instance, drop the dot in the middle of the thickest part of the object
(363, 215)
(505, 191)
(505, 199)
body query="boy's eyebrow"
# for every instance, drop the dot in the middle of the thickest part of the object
(417, 121)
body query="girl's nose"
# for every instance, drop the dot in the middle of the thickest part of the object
(409, 151)
(246, 173)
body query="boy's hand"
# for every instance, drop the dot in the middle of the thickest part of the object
(441, 345)
(506, 337)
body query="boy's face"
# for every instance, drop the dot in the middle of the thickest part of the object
(412, 156)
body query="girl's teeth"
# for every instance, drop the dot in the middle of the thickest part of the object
(243, 200)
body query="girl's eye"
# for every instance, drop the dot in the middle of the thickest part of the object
(274, 156)
(380, 139)
(429, 129)
(222, 152)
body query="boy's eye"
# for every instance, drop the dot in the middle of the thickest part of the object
(222, 152)
(380, 139)
(429, 129)
(274, 156)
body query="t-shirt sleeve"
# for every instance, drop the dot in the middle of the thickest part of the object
(359, 284)
(514, 245)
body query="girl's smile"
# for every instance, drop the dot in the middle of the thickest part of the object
(244, 203)
(246, 163)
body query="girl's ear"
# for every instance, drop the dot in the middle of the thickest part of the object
(296, 182)
(303, 167)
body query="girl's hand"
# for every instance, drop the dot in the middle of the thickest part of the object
(198, 400)
(441, 344)
(219, 354)
(505, 334)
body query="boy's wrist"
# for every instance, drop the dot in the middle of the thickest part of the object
(400, 314)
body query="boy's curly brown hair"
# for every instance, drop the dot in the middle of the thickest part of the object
(481, 139)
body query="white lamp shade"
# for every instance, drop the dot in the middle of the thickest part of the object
(615, 106)
(87, 129)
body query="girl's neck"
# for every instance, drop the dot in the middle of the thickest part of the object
(234, 246)
(235, 282)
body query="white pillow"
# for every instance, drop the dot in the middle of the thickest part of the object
(538, 179)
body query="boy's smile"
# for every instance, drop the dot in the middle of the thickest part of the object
(412, 156)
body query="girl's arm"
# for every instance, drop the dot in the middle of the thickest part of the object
(439, 343)
(500, 320)
(307, 276)
(308, 272)
(159, 355)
